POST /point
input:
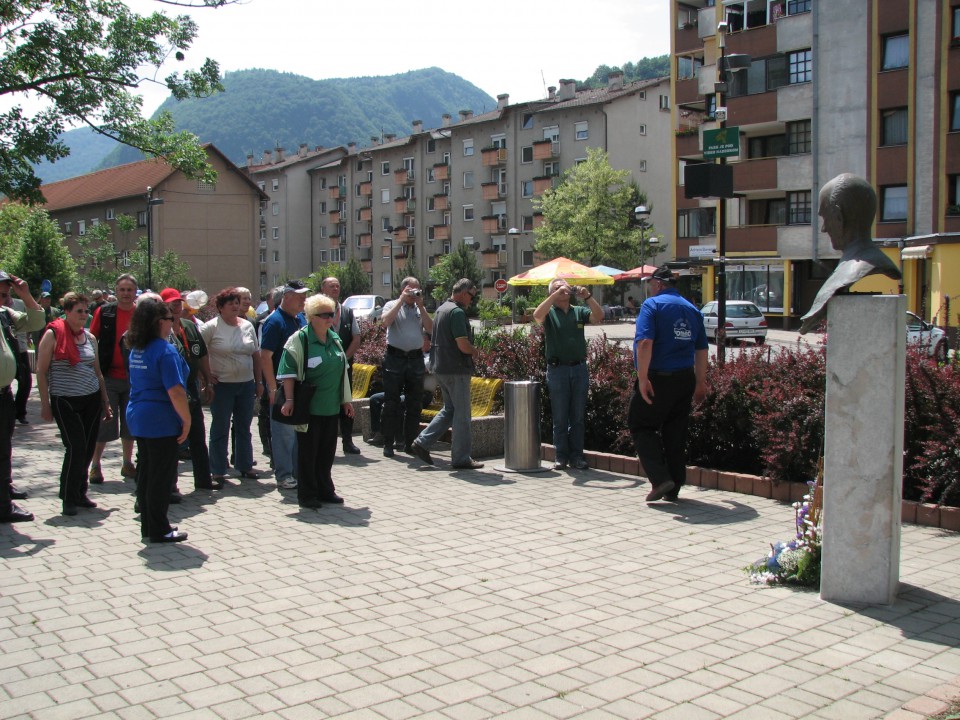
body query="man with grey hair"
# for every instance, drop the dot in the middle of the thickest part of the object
(407, 323)
(452, 358)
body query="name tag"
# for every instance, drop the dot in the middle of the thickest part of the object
(314, 361)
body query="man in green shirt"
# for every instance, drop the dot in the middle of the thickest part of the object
(568, 377)
(12, 322)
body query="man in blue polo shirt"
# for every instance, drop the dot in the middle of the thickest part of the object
(670, 354)
(274, 333)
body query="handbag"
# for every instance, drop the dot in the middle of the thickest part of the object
(302, 394)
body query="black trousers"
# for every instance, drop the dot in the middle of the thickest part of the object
(24, 383)
(402, 376)
(197, 439)
(8, 418)
(660, 430)
(79, 421)
(316, 449)
(156, 475)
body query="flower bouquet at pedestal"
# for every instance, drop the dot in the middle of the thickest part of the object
(797, 561)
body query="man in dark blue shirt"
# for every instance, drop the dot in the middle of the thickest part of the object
(670, 353)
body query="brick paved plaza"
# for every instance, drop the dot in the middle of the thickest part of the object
(447, 595)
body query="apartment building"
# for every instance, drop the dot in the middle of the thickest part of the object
(474, 179)
(868, 87)
(211, 227)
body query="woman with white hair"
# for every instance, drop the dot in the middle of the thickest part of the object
(315, 355)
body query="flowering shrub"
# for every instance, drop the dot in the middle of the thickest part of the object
(797, 561)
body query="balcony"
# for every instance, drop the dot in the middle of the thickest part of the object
(337, 192)
(366, 266)
(334, 217)
(441, 232)
(334, 241)
(748, 110)
(752, 239)
(546, 149)
(493, 156)
(403, 176)
(542, 184)
(688, 92)
(365, 240)
(492, 259)
(366, 188)
(754, 175)
(366, 214)
(688, 143)
(400, 234)
(491, 190)
(687, 38)
(494, 223)
(403, 205)
(441, 202)
(441, 171)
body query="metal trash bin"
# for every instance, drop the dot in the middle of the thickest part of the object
(521, 446)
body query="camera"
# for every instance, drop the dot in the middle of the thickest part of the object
(417, 293)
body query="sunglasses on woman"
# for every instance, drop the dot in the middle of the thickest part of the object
(327, 315)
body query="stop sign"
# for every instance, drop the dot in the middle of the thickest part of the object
(500, 285)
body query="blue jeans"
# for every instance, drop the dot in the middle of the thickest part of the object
(455, 412)
(283, 438)
(231, 400)
(568, 386)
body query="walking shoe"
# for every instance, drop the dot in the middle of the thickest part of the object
(388, 450)
(289, 483)
(85, 502)
(659, 491)
(17, 494)
(377, 439)
(421, 452)
(672, 496)
(96, 475)
(129, 471)
(560, 465)
(16, 514)
(350, 449)
(472, 465)
(580, 464)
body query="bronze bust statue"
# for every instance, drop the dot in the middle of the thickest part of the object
(848, 205)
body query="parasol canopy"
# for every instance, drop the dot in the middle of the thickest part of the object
(607, 270)
(562, 268)
(638, 273)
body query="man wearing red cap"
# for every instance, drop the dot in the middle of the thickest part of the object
(187, 340)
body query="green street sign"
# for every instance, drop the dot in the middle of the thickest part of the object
(722, 142)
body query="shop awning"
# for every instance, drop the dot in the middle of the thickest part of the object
(918, 252)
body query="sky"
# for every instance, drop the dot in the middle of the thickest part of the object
(517, 47)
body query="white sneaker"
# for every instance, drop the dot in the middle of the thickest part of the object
(289, 483)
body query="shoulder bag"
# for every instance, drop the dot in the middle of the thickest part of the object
(302, 394)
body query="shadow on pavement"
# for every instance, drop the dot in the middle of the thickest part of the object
(333, 515)
(606, 481)
(696, 512)
(172, 557)
(15, 544)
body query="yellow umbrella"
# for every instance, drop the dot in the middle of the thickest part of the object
(563, 268)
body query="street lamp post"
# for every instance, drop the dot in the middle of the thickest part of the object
(151, 201)
(514, 234)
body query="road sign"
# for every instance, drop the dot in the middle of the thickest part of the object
(703, 250)
(500, 285)
(722, 142)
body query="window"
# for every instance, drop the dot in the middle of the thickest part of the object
(431, 145)
(432, 235)
(642, 166)
(276, 184)
(795, 7)
(203, 186)
(526, 154)
(798, 208)
(276, 233)
(385, 223)
(527, 121)
(384, 196)
(385, 279)
(798, 137)
(526, 258)
(323, 231)
(467, 148)
(431, 204)
(955, 111)
(893, 203)
(767, 211)
(551, 168)
(687, 67)
(447, 247)
(664, 102)
(696, 222)
(956, 23)
(275, 208)
(467, 212)
(893, 127)
(82, 227)
(431, 177)
(953, 196)
(323, 255)
(468, 179)
(276, 256)
(526, 188)
(385, 167)
(581, 130)
(526, 223)
(552, 133)
(335, 256)
(498, 141)
(142, 218)
(110, 214)
(767, 146)
(642, 129)
(323, 207)
(896, 51)
(68, 228)
(385, 252)
(800, 67)
(263, 234)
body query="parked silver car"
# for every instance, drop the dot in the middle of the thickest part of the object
(927, 337)
(365, 307)
(744, 320)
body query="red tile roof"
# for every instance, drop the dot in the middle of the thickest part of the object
(111, 184)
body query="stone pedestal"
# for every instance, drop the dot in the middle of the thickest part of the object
(863, 453)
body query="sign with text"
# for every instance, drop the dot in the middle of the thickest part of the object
(722, 142)
(500, 285)
(703, 250)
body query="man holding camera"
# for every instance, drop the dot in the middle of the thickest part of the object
(568, 377)
(407, 323)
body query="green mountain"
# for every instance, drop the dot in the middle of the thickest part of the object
(261, 109)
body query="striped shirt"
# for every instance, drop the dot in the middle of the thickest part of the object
(68, 380)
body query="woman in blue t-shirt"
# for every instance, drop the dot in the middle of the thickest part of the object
(158, 414)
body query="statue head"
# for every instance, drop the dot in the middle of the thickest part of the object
(848, 204)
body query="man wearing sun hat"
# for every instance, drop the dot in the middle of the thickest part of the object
(670, 355)
(186, 338)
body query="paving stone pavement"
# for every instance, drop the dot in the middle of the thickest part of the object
(445, 595)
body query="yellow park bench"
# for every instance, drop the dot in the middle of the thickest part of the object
(483, 395)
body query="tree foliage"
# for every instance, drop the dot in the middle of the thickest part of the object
(461, 263)
(589, 216)
(353, 279)
(83, 59)
(34, 250)
(644, 69)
